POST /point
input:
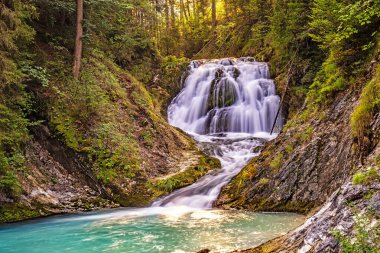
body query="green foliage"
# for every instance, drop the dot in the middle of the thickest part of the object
(324, 20)
(364, 178)
(288, 27)
(365, 237)
(327, 83)
(170, 184)
(13, 128)
(172, 67)
(17, 212)
(148, 137)
(16, 35)
(368, 106)
(9, 183)
(348, 31)
(13, 133)
(335, 22)
(85, 115)
(36, 73)
(114, 153)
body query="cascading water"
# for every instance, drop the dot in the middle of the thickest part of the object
(225, 104)
(226, 96)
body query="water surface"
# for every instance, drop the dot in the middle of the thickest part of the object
(146, 230)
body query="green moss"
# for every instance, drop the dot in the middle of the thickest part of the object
(186, 177)
(289, 148)
(337, 85)
(308, 113)
(305, 135)
(263, 181)
(369, 194)
(358, 178)
(17, 212)
(108, 114)
(364, 178)
(147, 137)
(238, 183)
(107, 175)
(289, 124)
(276, 163)
(114, 153)
(377, 160)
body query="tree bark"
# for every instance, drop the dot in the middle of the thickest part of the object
(172, 14)
(184, 10)
(213, 10)
(196, 14)
(78, 40)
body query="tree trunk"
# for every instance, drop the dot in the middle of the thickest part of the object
(184, 10)
(78, 40)
(195, 13)
(213, 9)
(172, 15)
(167, 28)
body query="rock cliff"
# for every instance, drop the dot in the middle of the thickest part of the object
(312, 168)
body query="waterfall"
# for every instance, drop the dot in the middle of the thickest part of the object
(229, 95)
(224, 104)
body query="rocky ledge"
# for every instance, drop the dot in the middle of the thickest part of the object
(318, 233)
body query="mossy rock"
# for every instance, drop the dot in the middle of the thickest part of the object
(185, 178)
(17, 212)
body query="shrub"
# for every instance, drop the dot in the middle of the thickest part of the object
(328, 81)
(368, 106)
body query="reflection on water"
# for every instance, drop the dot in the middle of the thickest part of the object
(147, 230)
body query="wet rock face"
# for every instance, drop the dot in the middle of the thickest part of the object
(334, 215)
(337, 214)
(304, 165)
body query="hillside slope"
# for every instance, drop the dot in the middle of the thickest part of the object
(112, 149)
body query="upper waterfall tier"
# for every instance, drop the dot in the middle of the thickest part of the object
(228, 95)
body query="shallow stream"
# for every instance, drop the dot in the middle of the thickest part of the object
(229, 107)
